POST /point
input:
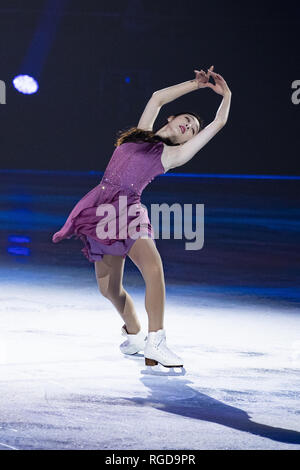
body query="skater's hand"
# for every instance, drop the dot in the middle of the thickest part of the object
(220, 86)
(202, 78)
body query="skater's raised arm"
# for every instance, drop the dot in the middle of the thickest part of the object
(149, 115)
(161, 97)
(165, 95)
(183, 153)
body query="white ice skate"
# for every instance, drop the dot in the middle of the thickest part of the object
(156, 351)
(133, 343)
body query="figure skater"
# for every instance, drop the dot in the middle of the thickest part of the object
(140, 155)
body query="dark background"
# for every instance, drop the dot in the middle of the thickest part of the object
(84, 98)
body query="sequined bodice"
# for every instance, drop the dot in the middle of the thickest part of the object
(132, 166)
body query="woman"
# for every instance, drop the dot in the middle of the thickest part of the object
(141, 155)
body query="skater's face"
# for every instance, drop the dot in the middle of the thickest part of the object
(181, 128)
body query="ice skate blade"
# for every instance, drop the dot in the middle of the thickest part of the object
(162, 370)
(153, 362)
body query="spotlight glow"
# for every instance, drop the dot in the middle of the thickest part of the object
(18, 239)
(25, 84)
(18, 250)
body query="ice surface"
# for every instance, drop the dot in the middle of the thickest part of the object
(232, 313)
(64, 384)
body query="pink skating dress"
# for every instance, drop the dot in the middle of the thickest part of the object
(131, 168)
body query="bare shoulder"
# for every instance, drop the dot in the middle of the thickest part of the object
(168, 156)
(177, 155)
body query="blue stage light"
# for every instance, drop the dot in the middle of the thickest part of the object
(18, 250)
(18, 239)
(25, 84)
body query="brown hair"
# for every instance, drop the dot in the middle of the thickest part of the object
(134, 134)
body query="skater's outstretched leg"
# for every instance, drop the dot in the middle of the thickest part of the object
(146, 257)
(109, 275)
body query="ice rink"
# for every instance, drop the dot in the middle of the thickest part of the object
(234, 320)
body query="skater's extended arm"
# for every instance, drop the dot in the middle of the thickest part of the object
(165, 95)
(170, 93)
(183, 153)
(149, 114)
(161, 97)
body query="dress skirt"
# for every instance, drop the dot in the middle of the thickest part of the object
(94, 249)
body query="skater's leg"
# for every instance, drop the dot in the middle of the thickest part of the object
(109, 275)
(146, 257)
